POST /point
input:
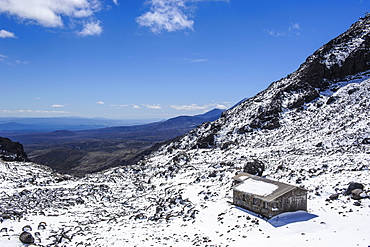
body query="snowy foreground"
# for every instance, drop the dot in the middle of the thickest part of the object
(100, 210)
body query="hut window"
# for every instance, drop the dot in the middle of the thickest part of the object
(265, 205)
(255, 201)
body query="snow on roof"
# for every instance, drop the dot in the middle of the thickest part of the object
(243, 177)
(263, 188)
(260, 188)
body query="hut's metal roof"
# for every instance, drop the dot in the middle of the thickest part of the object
(279, 188)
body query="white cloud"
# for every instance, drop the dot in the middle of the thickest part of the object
(100, 103)
(195, 107)
(276, 34)
(6, 34)
(157, 107)
(222, 106)
(5, 60)
(192, 107)
(119, 106)
(51, 13)
(34, 111)
(58, 106)
(22, 62)
(169, 15)
(136, 107)
(115, 2)
(198, 60)
(294, 28)
(91, 28)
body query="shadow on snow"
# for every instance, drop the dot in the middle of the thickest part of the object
(284, 218)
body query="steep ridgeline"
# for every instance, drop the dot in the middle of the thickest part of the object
(322, 92)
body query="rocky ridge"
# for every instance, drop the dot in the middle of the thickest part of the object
(331, 67)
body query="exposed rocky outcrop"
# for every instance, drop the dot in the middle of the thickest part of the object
(11, 151)
(254, 167)
(338, 60)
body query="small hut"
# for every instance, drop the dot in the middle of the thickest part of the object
(267, 197)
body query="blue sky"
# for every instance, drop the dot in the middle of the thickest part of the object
(155, 59)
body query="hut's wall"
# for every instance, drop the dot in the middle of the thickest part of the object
(256, 205)
(294, 200)
(289, 202)
(243, 200)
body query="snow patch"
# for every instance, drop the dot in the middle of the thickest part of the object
(341, 52)
(259, 188)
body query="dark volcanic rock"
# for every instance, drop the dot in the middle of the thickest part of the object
(366, 141)
(356, 194)
(254, 167)
(331, 100)
(353, 186)
(334, 196)
(26, 238)
(357, 203)
(206, 142)
(11, 151)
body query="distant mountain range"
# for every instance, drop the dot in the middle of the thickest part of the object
(85, 151)
(59, 123)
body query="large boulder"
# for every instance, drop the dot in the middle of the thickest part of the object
(352, 186)
(334, 196)
(254, 167)
(26, 238)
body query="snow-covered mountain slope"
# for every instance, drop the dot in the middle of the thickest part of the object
(310, 129)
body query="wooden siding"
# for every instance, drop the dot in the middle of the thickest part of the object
(287, 198)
